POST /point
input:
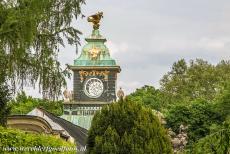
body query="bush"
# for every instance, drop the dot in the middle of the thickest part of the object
(223, 102)
(199, 115)
(127, 127)
(15, 138)
(24, 104)
(215, 143)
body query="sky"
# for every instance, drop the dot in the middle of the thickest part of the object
(146, 37)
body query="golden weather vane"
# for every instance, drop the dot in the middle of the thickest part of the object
(95, 19)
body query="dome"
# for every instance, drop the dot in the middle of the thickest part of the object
(95, 52)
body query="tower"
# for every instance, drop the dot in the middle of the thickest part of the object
(94, 79)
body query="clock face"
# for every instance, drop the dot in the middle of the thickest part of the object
(93, 87)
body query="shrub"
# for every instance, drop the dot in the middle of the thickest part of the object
(223, 102)
(127, 127)
(199, 115)
(12, 138)
(215, 143)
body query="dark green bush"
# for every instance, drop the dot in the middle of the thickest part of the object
(217, 142)
(199, 115)
(223, 102)
(127, 127)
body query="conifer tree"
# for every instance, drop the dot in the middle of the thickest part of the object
(127, 127)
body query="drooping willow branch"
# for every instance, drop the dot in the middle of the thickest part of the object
(31, 33)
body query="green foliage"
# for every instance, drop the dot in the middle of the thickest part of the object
(127, 127)
(16, 138)
(223, 71)
(215, 143)
(3, 69)
(223, 102)
(173, 83)
(198, 80)
(4, 108)
(31, 33)
(5, 95)
(196, 94)
(218, 141)
(24, 104)
(198, 115)
(148, 96)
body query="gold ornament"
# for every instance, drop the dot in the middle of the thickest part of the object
(95, 19)
(94, 53)
(83, 74)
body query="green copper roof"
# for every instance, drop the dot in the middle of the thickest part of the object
(95, 52)
(80, 120)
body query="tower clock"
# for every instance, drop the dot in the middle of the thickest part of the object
(93, 87)
(94, 79)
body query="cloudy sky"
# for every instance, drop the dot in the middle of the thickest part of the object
(146, 37)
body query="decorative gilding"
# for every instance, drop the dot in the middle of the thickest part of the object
(93, 73)
(95, 19)
(94, 53)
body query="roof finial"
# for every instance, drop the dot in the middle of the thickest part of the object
(95, 19)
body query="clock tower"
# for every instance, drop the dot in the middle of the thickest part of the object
(94, 78)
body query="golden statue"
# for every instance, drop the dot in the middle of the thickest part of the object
(95, 19)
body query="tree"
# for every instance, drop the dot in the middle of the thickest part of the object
(127, 127)
(199, 115)
(148, 96)
(31, 33)
(196, 80)
(4, 108)
(5, 95)
(215, 143)
(223, 72)
(173, 83)
(223, 102)
(23, 104)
